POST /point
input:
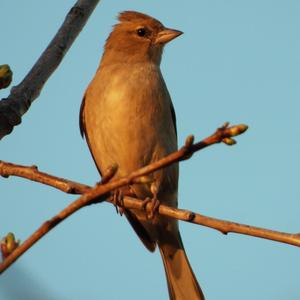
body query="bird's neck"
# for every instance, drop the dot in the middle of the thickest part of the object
(115, 56)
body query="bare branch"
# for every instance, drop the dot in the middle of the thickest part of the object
(21, 96)
(223, 226)
(32, 173)
(102, 193)
(71, 187)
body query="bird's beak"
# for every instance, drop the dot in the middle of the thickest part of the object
(167, 35)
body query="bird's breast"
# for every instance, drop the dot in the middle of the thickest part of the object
(128, 118)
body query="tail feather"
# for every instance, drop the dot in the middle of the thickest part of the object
(182, 283)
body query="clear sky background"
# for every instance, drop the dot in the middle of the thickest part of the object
(237, 61)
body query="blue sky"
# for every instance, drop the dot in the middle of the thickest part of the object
(237, 61)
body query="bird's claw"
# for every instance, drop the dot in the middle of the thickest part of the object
(154, 207)
(118, 201)
(145, 202)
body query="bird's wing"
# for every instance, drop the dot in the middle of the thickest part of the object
(83, 131)
(81, 118)
(140, 230)
(133, 220)
(173, 116)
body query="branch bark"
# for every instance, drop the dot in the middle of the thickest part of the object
(32, 173)
(18, 102)
(102, 193)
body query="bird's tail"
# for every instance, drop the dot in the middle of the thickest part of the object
(182, 283)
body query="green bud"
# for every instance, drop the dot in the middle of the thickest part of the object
(238, 129)
(8, 244)
(189, 141)
(229, 141)
(5, 76)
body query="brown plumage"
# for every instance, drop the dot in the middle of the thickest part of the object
(128, 118)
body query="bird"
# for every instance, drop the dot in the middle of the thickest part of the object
(128, 119)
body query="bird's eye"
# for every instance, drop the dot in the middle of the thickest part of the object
(141, 31)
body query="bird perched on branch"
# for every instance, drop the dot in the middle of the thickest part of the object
(128, 118)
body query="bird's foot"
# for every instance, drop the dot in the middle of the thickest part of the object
(154, 206)
(118, 201)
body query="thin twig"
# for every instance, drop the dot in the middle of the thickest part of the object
(18, 102)
(32, 173)
(223, 226)
(71, 187)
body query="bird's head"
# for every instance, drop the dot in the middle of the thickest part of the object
(137, 38)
